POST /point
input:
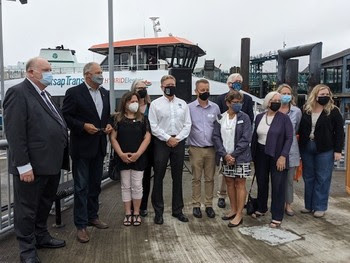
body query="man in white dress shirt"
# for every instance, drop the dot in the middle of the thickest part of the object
(170, 122)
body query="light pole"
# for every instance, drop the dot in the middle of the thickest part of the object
(2, 71)
(111, 56)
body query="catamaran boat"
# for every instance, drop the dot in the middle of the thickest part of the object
(146, 59)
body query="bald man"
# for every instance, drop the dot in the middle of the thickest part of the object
(37, 138)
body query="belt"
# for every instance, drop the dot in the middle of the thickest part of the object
(202, 146)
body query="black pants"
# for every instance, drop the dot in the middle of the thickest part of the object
(33, 202)
(87, 174)
(264, 166)
(146, 187)
(162, 153)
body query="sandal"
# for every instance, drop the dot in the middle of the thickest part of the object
(275, 224)
(137, 220)
(257, 214)
(127, 220)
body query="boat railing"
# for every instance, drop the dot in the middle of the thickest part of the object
(129, 67)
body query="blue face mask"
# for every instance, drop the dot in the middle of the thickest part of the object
(285, 99)
(47, 78)
(236, 107)
(237, 86)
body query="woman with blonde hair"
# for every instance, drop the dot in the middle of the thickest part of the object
(271, 142)
(321, 140)
(294, 113)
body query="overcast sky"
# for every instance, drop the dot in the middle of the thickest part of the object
(217, 26)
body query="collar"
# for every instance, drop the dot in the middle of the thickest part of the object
(35, 86)
(196, 103)
(166, 99)
(90, 88)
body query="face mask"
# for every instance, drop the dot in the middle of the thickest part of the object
(274, 106)
(236, 107)
(323, 100)
(47, 78)
(204, 95)
(97, 78)
(285, 99)
(237, 86)
(133, 107)
(169, 91)
(142, 93)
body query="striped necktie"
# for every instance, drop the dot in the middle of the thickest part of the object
(53, 110)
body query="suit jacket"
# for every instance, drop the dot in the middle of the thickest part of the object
(33, 133)
(79, 108)
(279, 137)
(247, 105)
(243, 136)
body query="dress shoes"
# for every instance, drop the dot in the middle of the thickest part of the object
(83, 235)
(143, 213)
(197, 212)
(181, 217)
(51, 242)
(31, 260)
(225, 217)
(235, 225)
(210, 212)
(158, 219)
(221, 203)
(98, 224)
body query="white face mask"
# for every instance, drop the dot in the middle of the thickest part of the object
(133, 107)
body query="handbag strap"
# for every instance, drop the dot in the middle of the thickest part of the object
(251, 186)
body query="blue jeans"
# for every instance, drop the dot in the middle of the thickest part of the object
(317, 175)
(87, 174)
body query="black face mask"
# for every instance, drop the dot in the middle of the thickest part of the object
(169, 91)
(323, 100)
(274, 106)
(142, 93)
(204, 95)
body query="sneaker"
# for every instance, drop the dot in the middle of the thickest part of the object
(319, 214)
(305, 211)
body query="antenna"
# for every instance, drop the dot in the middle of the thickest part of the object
(156, 25)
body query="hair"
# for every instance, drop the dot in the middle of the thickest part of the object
(133, 89)
(120, 115)
(311, 100)
(233, 76)
(284, 85)
(233, 94)
(201, 81)
(165, 77)
(32, 63)
(88, 66)
(267, 98)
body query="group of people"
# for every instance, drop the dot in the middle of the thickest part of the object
(147, 135)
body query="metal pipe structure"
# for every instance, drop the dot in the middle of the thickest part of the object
(111, 56)
(292, 69)
(313, 50)
(2, 74)
(245, 57)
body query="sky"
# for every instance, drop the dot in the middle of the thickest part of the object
(216, 26)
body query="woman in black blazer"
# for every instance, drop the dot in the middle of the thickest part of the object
(321, 140)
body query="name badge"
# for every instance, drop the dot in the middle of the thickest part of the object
(240, 121)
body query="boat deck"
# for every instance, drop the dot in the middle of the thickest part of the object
(200, 240)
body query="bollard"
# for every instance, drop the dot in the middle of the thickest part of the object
(347, 172)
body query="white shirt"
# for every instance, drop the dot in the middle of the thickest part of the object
(228, 131)
(97, 98)
(263, 128)
(169, 118)
(314, 118)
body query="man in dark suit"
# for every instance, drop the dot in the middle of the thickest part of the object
(37, 137)
(234, 82)
(87, 112)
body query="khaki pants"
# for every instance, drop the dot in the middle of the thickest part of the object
(202, 161)
(222, 189)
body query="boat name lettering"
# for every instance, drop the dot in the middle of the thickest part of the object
(68, 80)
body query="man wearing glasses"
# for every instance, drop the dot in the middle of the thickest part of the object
(170, 122)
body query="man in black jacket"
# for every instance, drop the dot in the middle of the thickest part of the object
(234, 81)
(38, 150)
(87, 112)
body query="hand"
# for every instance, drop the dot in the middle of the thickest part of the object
(125, 157)
(281, 163)
(108, 129)
(133, 157)
(27, 177)
(337, 156)
(229, 159)
(172, 142)
(90, 128)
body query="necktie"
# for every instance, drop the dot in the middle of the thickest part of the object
(55, 113)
